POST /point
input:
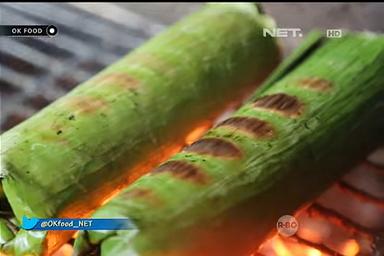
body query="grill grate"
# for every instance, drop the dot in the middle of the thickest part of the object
(346, 220)
(36, 70)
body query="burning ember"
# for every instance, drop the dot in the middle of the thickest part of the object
(346, 220)
(279, 246)
(65, 250)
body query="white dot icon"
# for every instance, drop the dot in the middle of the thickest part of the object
(51, 31)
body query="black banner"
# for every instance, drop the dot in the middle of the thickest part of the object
(28, 30)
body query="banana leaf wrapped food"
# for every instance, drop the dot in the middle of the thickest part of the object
(222, 194)
(135, 112)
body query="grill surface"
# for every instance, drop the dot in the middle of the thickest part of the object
(346, 220)
(37, 70)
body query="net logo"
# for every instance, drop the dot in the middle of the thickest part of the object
(282, 32)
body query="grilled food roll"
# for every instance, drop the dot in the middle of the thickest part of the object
(222, 194)
(136, 112)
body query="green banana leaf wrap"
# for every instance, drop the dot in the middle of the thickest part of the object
(222, 194)
(148, 101)
(8, 230)
(6, 233)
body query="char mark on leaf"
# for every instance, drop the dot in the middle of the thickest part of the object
(254, 126)
(281, 103)
(182, 170)
(214, 147)
(315, 83)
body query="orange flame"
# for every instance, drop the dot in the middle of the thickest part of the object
(280, 248)
(314, 252)
(350, 248)
(196, 133)
(277, 246)
(65, 250)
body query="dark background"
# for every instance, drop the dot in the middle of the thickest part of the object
(352, 16)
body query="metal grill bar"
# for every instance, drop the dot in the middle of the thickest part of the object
(362, 195)
(19, 80)
(46, 48)
(116, 15)
(374, 167)
(339, 219)
(18, 64)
